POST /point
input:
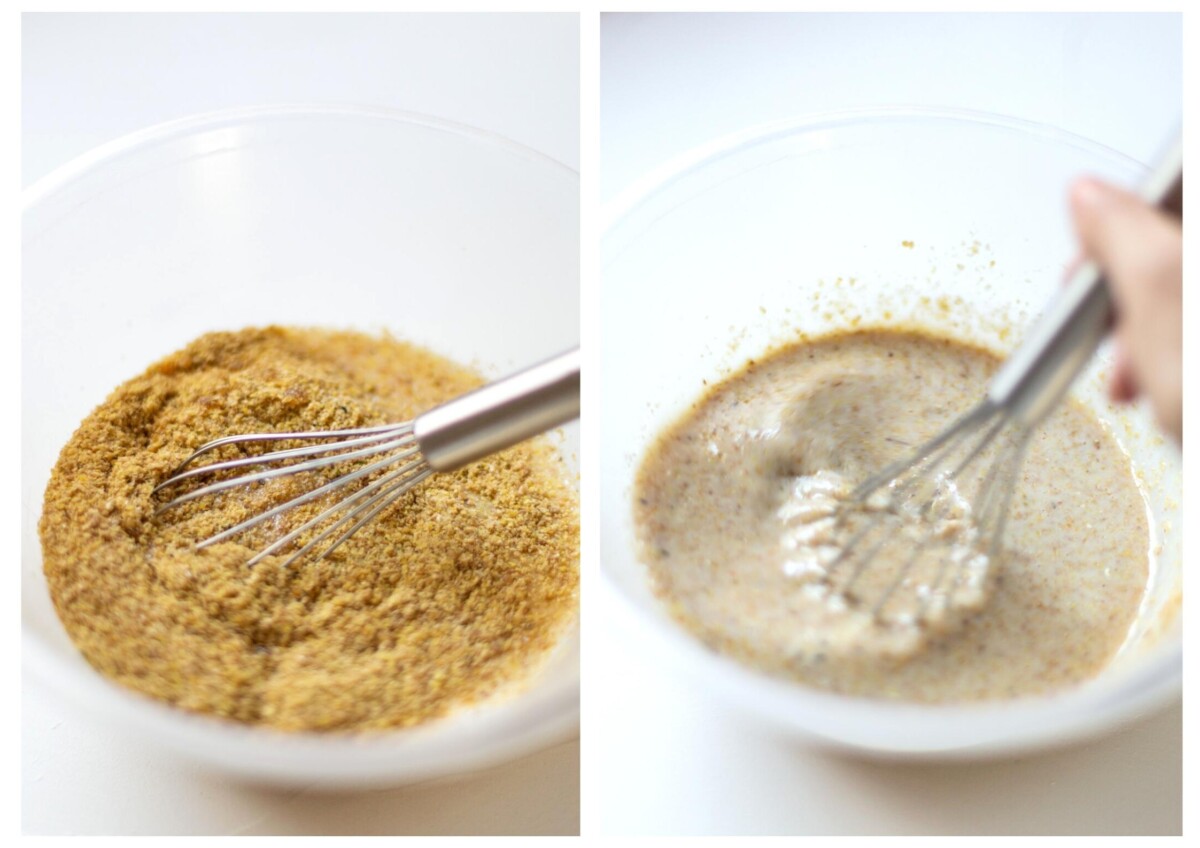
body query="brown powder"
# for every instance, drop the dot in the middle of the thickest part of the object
(451, 595)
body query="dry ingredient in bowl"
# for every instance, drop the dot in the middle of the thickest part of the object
(715, 509)
(454, 594)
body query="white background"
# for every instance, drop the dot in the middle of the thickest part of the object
(672, 82)
(89, 79)
(671, 760)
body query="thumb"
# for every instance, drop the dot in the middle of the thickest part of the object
(1118, 230)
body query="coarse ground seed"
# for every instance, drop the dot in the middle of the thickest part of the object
(714, 500)
(452, 595)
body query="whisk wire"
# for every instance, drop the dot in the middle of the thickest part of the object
(987, 439)
(179, 475)
(845, 554)
(1011, 468)
(398, 443)
(898, 580)
(307, 496)
(385, 498)
(442, 439)
(931, 479)
(924, 454)
(365, 492)
(245, 438)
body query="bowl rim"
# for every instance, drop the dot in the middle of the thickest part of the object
(660, 177)
(487, 734)
(72, 169)
(1012, 725)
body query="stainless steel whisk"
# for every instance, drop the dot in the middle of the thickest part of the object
(445, 438)
(978, 458)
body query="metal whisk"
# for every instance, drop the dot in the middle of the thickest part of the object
(939, 514)
(445, 438)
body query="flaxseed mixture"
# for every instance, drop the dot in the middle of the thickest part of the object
(451, 595)
(718, 495)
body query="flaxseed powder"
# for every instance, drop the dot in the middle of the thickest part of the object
(453, 594)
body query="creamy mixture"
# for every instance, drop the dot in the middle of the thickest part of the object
(744, 514)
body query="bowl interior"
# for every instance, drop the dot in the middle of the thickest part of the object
(953, 222)
(346, 218)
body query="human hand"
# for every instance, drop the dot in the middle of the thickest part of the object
(1140, 250)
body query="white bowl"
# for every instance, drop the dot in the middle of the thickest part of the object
(801, 226)
(341, 217)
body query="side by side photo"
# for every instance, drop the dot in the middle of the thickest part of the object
(601, 424)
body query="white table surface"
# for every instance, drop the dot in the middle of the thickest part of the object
(89, 79)
(672, 760)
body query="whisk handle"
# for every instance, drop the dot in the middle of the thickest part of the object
(500, 414)
(1037, 375)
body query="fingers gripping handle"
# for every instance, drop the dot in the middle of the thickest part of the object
(500, 414)
(1057, 347)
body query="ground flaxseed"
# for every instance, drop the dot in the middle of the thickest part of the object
(713, 515)
(451, 595)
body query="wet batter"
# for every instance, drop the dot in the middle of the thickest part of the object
(729, 506)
